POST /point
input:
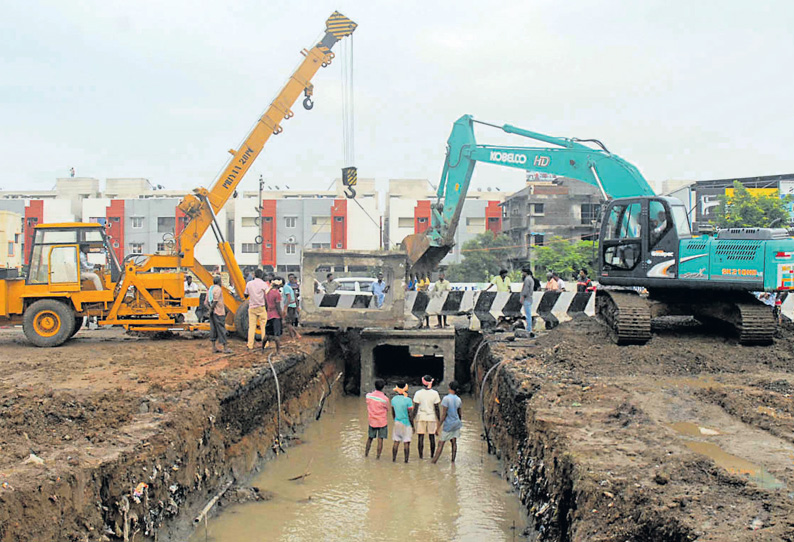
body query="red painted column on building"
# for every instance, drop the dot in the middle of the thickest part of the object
(493, 217)
(339, 224)
(268, 229)
(421, 216)
(34, 214)
(114, 226)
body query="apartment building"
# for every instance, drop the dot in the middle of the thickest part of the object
(408, 211)
(564, 207)
(142, 218)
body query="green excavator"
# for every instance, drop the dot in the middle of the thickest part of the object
(645, 240)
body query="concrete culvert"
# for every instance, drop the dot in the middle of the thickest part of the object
(395, 362)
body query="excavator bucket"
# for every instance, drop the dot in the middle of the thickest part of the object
(422, 258)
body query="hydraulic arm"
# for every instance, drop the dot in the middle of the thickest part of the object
(569, 157)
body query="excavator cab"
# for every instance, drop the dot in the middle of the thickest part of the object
(640, 239)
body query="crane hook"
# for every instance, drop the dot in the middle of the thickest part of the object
(350, 192)
(308, 104)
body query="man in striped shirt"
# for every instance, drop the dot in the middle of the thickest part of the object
(377, 410)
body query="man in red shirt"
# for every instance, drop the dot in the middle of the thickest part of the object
(377, 410)
(273, 328)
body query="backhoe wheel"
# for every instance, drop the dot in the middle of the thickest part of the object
(241, 321)
(78, 323)
(48, 323)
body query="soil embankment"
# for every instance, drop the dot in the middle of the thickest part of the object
(689, 437)
(110, 437)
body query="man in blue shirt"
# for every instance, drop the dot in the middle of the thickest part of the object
(291, 304)
(401, 404)
(450, 421)
(379, 289)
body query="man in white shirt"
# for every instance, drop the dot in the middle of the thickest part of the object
(426, 414)
(560, 282)
(191, 290)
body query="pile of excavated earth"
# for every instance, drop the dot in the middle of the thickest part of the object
(689, 437)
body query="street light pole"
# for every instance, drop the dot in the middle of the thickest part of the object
(259, 220)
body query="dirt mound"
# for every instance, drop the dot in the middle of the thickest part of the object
(585, 345)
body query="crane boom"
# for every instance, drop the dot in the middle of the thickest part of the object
(202, 206)
(571, 158)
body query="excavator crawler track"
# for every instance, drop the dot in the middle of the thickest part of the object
(755, 323)
(627, 315)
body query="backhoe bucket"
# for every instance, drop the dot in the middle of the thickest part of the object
(423, 258)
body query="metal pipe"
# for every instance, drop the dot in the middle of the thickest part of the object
(209, 505)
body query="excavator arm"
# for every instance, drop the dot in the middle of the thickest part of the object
(202, 206)
(568, 157)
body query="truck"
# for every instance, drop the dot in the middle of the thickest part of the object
(645, 240)
(146, 292)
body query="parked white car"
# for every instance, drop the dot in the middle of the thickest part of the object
(355, 285)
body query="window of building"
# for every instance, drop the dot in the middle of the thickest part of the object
(250, 248)
(136, 221)
(536, 209)
(291, 248)
(475, 224)
(590, 212)
(250, 222)
(160, 247)
(97, 219)
(339, 218)
(10, 248)
(538, 239)
(290, 221)
(166, 224)
(136, 248)
(405, 222)
(321, 245)
(321, 224)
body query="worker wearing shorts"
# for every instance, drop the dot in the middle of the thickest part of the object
(377, 417)
(451, 421)
(401, 406)
(426, 415)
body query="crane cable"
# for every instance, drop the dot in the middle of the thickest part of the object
(348, 112)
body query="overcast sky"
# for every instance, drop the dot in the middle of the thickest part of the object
(683, 89)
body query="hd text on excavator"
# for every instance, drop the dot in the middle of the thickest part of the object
(645, 240)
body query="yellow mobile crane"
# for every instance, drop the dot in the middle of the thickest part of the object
(59, 289)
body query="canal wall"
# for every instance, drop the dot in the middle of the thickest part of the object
(157, 474)
(611, 443)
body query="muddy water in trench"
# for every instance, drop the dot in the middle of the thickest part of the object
(350, 497)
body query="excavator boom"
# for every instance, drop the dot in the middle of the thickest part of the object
(568, 157)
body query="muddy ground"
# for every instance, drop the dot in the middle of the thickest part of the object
(689, 437)
(85, 425)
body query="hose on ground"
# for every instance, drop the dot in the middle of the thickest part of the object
(278, 398)
(483, 343)
(325, 377)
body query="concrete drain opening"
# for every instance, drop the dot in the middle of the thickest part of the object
(393, 363)
(394, 353)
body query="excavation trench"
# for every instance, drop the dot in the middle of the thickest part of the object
(114, 441)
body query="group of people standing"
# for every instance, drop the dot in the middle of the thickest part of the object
(269, 310)
(427, 414)
(272, 305)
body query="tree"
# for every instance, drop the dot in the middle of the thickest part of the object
(483, 257)
(564, 257)
(745, 210)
